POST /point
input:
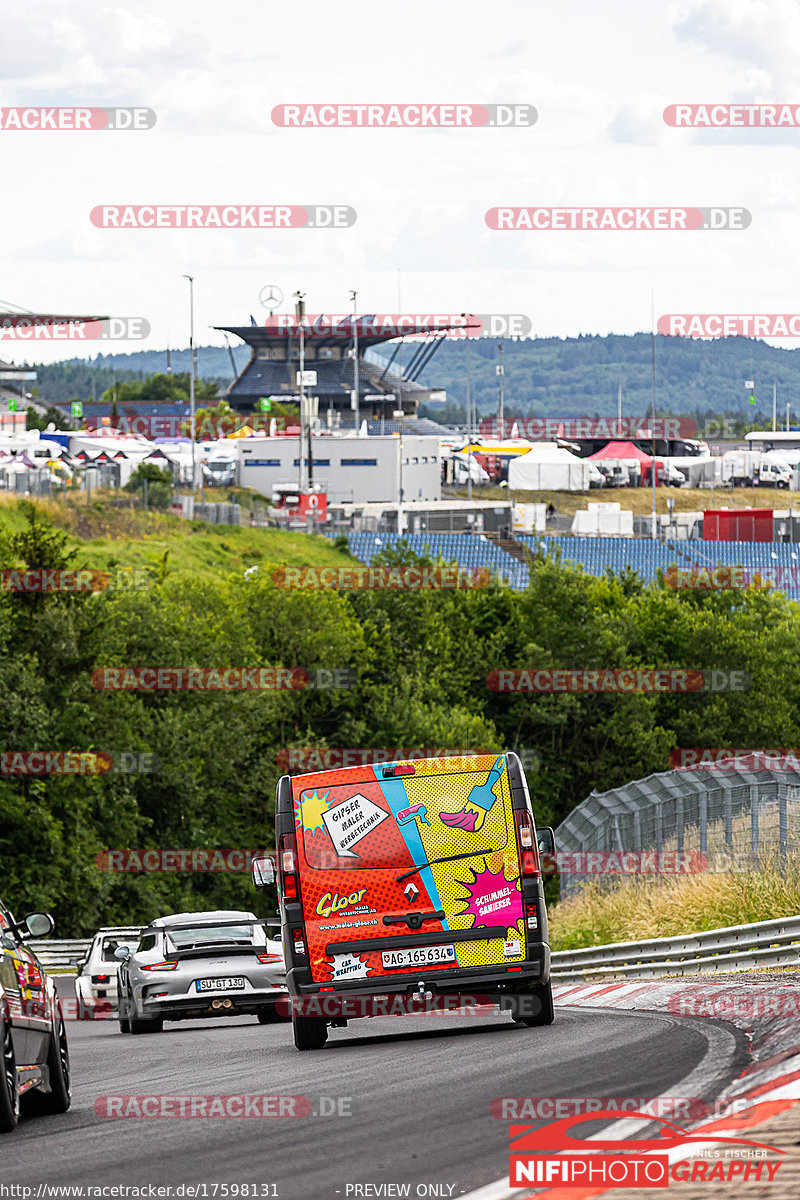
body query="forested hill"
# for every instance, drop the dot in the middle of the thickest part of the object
(580, 376)
(543, 376)
(81, 379)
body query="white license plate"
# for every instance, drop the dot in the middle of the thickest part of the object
(425, 956)
(232, 983)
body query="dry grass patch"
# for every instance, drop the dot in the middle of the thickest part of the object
(635, 909)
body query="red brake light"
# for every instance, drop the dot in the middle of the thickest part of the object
(401, 769)
(297, 940)
(100, 978)
(287, 866)
(526, 835)
(269, 958)
(162, 966)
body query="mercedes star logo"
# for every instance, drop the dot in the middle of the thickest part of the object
(270, 297)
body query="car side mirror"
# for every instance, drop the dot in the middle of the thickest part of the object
(121, 953)
(546, 840)
(38, 925)
(263, 871)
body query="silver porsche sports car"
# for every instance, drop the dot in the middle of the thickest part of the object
(207, 964)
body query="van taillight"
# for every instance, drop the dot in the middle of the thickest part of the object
(297, 941)
(405, 769)
(287, 863)
(526, 836)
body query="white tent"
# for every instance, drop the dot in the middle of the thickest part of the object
(551, 467)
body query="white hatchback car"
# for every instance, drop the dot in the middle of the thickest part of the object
(96, 981)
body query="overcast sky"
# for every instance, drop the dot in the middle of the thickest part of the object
(598, 73)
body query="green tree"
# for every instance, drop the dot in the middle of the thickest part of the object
(154, 482)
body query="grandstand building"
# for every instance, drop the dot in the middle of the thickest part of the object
(329, 343)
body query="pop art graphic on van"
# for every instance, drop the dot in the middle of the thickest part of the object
(430, 848)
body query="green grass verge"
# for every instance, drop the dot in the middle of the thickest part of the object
(637, 909)
(108, 537)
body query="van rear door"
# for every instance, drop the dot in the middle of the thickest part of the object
(408, 865)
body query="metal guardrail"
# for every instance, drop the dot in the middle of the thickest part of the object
(733, 948)
(57, 954)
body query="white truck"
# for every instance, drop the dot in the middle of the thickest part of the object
(774, 471)
(749, 468)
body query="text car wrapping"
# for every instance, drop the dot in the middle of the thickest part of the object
(411, 878)
(207, 964)
(35, 1075)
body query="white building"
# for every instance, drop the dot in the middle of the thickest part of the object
(350, 469)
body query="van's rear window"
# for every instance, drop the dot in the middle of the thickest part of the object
(405, 820)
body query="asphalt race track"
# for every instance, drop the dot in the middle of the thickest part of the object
(419, 1091)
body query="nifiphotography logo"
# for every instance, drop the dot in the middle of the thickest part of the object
(551, 1156)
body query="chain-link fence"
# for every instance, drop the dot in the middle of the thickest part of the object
(38, 481)
(680, 822)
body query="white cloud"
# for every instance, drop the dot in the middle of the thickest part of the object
(760, 34)
(599, 76)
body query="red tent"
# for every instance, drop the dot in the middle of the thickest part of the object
(628, 451)
(622, 450)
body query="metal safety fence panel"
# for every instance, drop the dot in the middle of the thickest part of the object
(713, 818)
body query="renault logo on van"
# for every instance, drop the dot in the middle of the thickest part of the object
(412, 892)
